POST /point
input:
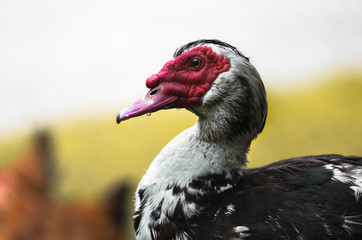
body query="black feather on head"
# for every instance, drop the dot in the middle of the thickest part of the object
(190, 45)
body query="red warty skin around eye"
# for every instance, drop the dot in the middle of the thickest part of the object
(189, 84)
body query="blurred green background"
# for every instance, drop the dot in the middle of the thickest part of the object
(94, 152)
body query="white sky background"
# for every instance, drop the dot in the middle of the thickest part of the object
(72, 57)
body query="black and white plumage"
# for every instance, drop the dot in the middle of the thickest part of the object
(196, 187)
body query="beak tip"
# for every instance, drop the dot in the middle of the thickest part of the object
(118, 118)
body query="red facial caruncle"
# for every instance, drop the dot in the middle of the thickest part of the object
(180, 83)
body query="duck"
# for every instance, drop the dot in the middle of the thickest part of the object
(198, 187)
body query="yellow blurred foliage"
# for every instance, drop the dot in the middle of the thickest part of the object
(93, 153)
(325, 118)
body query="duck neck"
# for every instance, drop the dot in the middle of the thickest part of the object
(194, 153)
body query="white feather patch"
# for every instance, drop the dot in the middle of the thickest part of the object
(230, 209)
(351, 175)
(242, 232)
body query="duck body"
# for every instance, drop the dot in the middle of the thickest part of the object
(198, 186)
(313, 197)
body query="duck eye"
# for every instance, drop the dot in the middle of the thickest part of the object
(195, 63)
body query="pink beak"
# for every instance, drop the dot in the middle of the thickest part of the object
(153, 101)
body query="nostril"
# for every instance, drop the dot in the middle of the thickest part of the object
(153, 92)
